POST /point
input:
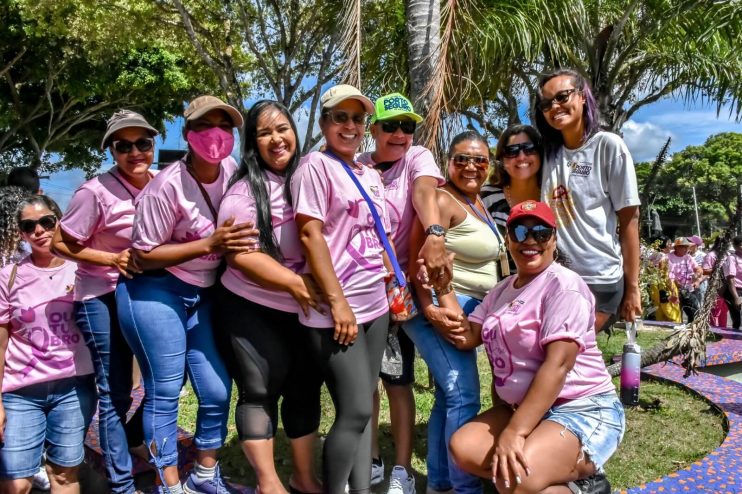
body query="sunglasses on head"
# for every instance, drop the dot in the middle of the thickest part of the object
(462, 160)
(342, 117)
(540, 233)
(391, 126)
(143, 145)
(560, 98)
(513, 150)
(47, 222)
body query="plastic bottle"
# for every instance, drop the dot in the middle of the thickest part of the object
(630, 369)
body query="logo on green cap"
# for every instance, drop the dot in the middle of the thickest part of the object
(394, 105)
(397, 103)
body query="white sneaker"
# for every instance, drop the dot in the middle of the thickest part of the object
(40, 480)
(401, 482)
(377, 471)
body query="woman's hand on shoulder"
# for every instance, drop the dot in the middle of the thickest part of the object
(509, 462)
(231, 237)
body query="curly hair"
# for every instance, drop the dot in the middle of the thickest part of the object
(10, 197)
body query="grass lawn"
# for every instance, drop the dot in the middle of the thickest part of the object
(669, 430)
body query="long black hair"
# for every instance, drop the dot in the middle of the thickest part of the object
(251, 170)
(552, 138)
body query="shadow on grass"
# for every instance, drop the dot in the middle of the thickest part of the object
(235, 465)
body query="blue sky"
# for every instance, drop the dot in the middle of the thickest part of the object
(644, 134)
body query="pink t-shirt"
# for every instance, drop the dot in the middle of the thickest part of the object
(100, 216)
(417, 162)
(709, 260)
(733, 267)
(322, 189)
(239, 202)
(44, 343)
(518, 323)
(682, 270)
(172, 210)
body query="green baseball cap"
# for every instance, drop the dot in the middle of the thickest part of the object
(394, 105)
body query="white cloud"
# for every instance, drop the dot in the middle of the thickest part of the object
(644, 139)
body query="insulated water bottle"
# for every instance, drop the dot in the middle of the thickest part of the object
(630, 368)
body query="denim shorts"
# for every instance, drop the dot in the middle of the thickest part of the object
(54, 414)
(598, 422)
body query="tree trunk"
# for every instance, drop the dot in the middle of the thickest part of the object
(423, 40)
(656, 354)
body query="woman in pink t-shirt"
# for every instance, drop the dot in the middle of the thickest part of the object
(165, 312)
(347, 258)
(732, 271)
(96, 232)
(261, 294)
(557, 418)
(48, 393)
(718, 314)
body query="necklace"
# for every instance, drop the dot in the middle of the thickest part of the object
(508, 197)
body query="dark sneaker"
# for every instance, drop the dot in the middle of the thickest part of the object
(595, 484)
(214, 485)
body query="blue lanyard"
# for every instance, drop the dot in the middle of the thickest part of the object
(377, 221)
(487, 220)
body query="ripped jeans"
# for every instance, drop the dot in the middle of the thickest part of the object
(456, 399)
(167, 323)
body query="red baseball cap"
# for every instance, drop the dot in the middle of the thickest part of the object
(532, 209)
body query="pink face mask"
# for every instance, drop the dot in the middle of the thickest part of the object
(212, 145)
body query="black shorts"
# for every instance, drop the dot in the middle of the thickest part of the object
(407, 349)
(608, 297)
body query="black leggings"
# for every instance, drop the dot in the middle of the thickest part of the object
(350, 373)
(265, 350)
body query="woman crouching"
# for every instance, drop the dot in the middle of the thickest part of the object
(557, 418)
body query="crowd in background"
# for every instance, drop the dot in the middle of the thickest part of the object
(683, 274)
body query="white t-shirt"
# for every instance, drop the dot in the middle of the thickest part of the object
(585, 188)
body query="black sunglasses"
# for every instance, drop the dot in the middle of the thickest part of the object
(462, 160)
(340, 117)
(540, 233)
(513, 150)
(560, 98)
(47, 222)
(391, 126)
(143, 145)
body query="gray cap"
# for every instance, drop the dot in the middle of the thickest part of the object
(123, 119)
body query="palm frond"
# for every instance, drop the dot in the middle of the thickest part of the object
(350, 43)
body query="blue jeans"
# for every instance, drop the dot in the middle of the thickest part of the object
(456, 399)
(98, 321)
(53, 413)
(167, 322)
(598, 421)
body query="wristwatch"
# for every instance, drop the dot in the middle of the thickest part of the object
(436, 230)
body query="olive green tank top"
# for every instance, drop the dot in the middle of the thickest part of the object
(477, 251)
